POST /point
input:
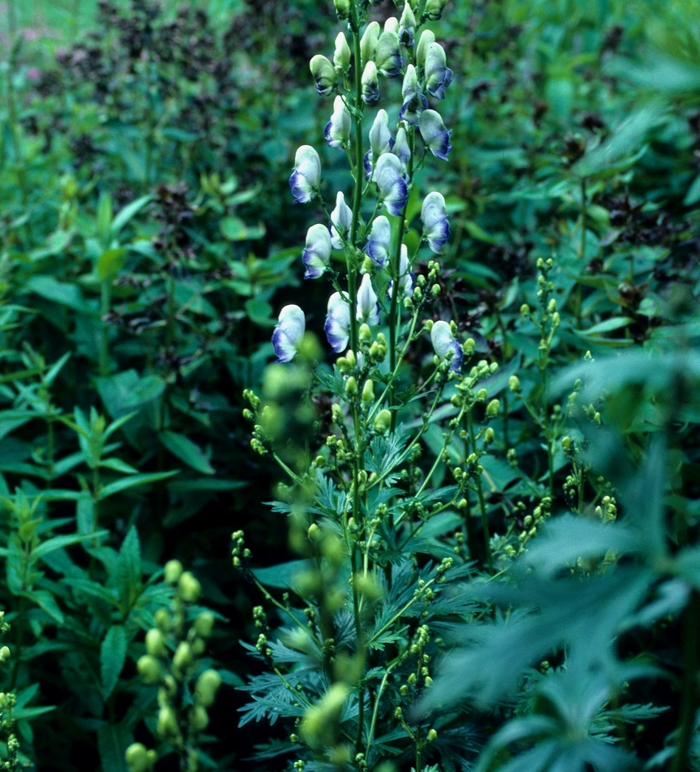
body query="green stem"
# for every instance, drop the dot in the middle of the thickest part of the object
(106, 301)
(480, 495)
(689, 696)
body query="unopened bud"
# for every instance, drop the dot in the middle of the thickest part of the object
(365, 334)
(492, 408)
(368, 391)
(383, 421)
(172, 571)
(341, 57)
(342, 9)
(136, 757)
(155, 645)
(148, 669)
(368, 43)
(167, 722)
(433, 9)
(188, 587)
(481, 395)
(204, 624)
(199, 718)
(208, 684)
(432, 736)
(514, 383)
(525, 310)
(351, 386)
(183, 655)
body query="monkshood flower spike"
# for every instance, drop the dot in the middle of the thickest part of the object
(379, 240)
(288, 333)
(390, 181)
(337, 326)
(337, 131)
(436, 228)
(438, 75)
(434, 133)
(317, 253)
(306, 176)
(341, 217)
(445, 345)
(367, 302)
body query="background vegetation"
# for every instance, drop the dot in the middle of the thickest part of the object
(147, 244)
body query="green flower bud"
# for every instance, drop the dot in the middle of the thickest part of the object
(163, 620)
(433, 9)
(208, 684)
(136, 757)
(341, 57)
(189, 588)
(351, 386)
(324, 74)
(428, 325)
(199, 718)
(172, 571)
(489, 436)
(342, 9)
(155, 645)
(492, 408)
(183, 655)
(149, 669)
(204, 624)
(432, 736)
(426, 38)
(383, 421)
(167, 722)
(469, 346)
(566, 444)
(3, 700)
(514, 383)
(368, 43)
(314, 533)
(525, 310)
(365, 333)
(481, 395)
(198, 647)
(368, 391)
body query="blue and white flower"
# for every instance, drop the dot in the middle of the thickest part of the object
(317, 254)
(337, 326)
(414, 102)
(379, 240)
(341, 219)
(337, 131)
(288, 333)
(438, 75)
(380, 141)
(407, 26)
(434, 133)
(367, 302)
(402, 149)
(324, 74)
(406, 276)
(370, 83)
(445, 345)
(436, 228)
(391, 183)
(306, 176)
(388, 55)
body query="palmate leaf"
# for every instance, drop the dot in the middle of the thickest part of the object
(385, 453)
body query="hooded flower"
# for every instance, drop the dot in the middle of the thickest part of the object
(341, 217)
(370, 83)
(407, 26)
(317, 254)
(367, 302)
(401, 148)
(380, 140)
(388, 55)
(414, 102)
(436, 228)
(342, 53)
(324, 74)
(426, 38)
(337, 326)
(391, 183)
(434, 133)
(288, 333)
(337, 131)
(433, 9)
(379, 239)
(306, 176)
(438, 75)
(406, 277)
(445, 345)
(368, 43)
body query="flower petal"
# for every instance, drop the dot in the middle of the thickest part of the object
(337, 326)
(367, 302)
(445, 345)
(288, 332)
(306, 176)
(337, 131)
(341, 217)
(379, 240)
(436, 227)
(434, 134)
(438, 75)
(391, 183)
(317, 254)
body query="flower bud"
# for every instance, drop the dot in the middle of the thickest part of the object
(525, 310)
(172, 571)
(383, 421)
(204, 624)
(342, 54)
(351, 386)
(368, 43)
(492, 408)
(314, 533)
(199, 718)
(342, 9)
(432, 736)
(136, 757)
(155, 645)
(188, 587)
(433, 9)
(149, 669)
(407, 26)
(481, 395)
(365, 333)
(489, 436)
(183, 655)
(514, 383)
(324, 74)
(167, 722)
(368, 391)
(566, 444)
(426, 38)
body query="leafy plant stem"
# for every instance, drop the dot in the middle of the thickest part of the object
(106, 299)
(689, 695)
(480, 495)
